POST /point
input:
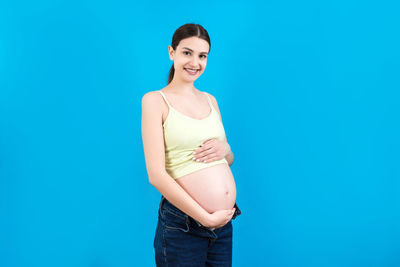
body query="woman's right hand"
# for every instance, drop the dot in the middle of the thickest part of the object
(219, 218)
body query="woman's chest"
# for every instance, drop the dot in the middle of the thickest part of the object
(185, 132)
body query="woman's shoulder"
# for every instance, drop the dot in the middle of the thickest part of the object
(151, 94)
(152, 98)
(213, 99)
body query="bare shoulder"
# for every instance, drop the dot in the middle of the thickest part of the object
(213, 100)
(151, 97)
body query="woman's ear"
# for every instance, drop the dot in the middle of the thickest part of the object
(171, 52)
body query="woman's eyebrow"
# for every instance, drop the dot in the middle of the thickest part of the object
(192, 50)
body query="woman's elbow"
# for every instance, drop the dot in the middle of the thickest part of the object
(155, 176)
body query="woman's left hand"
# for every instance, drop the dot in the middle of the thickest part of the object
(211, 150)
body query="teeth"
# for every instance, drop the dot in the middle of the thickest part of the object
(192, 71)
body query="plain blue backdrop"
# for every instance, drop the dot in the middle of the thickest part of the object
(309, 96)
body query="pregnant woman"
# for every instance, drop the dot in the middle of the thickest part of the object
(188, 161)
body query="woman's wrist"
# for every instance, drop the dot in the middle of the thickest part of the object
(205, 219)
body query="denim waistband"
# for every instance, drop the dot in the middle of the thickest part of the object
(164, 203)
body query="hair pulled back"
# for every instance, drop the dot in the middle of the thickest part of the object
(183, 32)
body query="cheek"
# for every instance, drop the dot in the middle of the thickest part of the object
(179, 62)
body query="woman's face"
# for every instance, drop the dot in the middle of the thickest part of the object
(190, 58)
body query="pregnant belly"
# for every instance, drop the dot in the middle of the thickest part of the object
(213, 187)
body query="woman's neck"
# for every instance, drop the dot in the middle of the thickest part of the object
(184, 88)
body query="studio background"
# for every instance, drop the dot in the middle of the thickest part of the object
(309, 97)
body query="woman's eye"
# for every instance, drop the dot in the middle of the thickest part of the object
(187, 52)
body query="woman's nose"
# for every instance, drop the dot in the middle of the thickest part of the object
(194, 63)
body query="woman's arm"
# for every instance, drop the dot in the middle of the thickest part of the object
(154, 151)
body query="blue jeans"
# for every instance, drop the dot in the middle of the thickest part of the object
(181, 240)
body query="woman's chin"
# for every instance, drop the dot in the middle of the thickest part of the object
(190, 79)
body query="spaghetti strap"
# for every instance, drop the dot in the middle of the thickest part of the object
(165, 98)
(209, 100)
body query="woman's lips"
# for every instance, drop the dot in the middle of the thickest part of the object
(191, 72)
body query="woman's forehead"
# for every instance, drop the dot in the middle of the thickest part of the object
(195, 44)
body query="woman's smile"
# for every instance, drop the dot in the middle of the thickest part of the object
(191, 71)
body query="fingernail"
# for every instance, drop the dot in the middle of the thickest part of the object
(198, 160)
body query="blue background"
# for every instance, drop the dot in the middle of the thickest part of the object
(309, 96)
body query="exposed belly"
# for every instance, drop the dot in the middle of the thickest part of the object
(213, 187)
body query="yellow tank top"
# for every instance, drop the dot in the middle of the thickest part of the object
(184, 134)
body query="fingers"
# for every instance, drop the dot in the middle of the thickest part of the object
(230, 215)
(228, 218)
(205, 157)
(208, 141)
(204, 147)
(207, 152)
(204, 151)
(227, 215)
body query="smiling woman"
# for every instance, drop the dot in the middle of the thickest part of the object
(188, 160)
